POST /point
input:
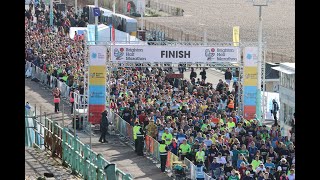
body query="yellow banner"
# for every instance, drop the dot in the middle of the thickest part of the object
(97, 75)
(250, 76)
(236, 35)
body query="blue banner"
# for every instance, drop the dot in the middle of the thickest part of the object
(97, 95)
(250, 95)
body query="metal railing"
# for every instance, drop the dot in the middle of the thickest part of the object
(61, 143)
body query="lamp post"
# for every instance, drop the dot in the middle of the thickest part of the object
(96, 23)
(76, 6)
(260, 4)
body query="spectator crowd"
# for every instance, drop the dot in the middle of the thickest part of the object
(191, 116)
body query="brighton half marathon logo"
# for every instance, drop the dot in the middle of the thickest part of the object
(118, 53)
(209, 53)
(94, 55)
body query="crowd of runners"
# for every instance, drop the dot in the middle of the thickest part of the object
(193, 116)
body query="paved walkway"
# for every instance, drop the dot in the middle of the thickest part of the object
(114, 151)
(38, 162)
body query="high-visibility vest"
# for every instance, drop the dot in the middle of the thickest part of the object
(136, 130)
(231, 104)
(199, 172)
(162, 149)
(200, 156)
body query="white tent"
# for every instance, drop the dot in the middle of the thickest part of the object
(104, 33)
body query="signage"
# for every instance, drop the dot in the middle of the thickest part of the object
(96, 11)
(181, 54)
(97, 82)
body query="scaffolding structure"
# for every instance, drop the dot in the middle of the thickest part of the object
(112, 65)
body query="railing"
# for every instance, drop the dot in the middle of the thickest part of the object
(49, 135)
(75, 154)
(124, 128)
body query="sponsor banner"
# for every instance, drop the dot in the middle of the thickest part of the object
(97, 75)
(250, 57)
(250, 95)
(250, 77)
(183, 54)
(97, 95)
(236, 35)
(95, 113)
(249, 112)
(97, 55)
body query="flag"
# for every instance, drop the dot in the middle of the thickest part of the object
(236, 36)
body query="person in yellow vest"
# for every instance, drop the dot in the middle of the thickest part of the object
(136, 128)
(230, 103)
(71, 96)
(184, 149)
(166, 136)
(163, 150)
(200, 155)
(230, 123)
(140, 141)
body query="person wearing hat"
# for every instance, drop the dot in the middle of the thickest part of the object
(278, 173)
(260, 168)
(103, 126)
(166, 136)
(140, 141)
(163, 150)
(284, 165)
(200, 168)
(136, 129)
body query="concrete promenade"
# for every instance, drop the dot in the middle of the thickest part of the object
(115, 151)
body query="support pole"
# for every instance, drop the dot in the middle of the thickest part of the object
(258, 97)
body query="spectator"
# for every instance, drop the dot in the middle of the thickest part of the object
(228, 76)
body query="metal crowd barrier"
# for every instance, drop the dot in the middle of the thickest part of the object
(75, 154)
(124, 128)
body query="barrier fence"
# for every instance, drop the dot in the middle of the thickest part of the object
(173, 11)
(75, 154)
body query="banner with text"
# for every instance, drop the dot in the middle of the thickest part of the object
(97, 82)
(250, 76)
(250, 81)
(181, 54)
(250, 57)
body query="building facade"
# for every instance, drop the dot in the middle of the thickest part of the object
(286, 91)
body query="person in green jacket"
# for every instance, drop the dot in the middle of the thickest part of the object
(234, 175)
(166, 136)
(184, 149)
